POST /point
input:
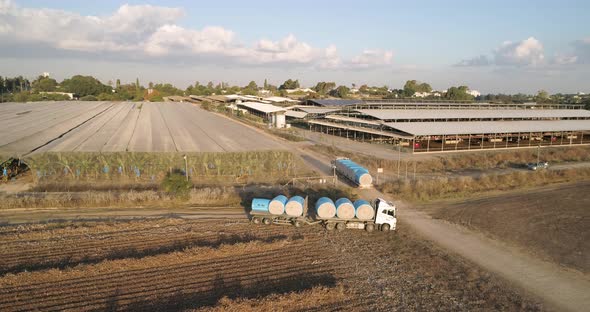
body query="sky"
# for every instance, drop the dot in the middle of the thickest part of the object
(491, 46)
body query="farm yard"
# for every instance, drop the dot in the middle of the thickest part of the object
(172, 264)
(124, 126)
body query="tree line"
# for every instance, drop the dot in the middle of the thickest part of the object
(88, 88)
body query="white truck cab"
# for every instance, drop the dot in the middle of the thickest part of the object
(385, 216)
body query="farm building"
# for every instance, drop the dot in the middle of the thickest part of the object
(272, 114)
(445, 127)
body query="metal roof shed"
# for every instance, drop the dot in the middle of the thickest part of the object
(333, 102)
(479, 127)
(440, 114)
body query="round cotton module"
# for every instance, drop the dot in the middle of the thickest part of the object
(277, 205)
(325, 208)
(364, 210)
(294, 206)
(344, 208)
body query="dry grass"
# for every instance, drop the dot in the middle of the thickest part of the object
(207, 196)
(475, 160)
(441, 188)
(293, 301)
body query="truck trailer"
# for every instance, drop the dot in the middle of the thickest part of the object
(383, 216)
(352, 171)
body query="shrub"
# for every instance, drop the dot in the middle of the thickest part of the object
(89, 98)
(176, 184)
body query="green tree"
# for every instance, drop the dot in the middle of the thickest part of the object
(252, 85)
(44, 84)
(542, 97)
(289, 85)
(265, 84)
(459, 94)
(324, 88)
(413, 86)
(341, 92)
(410, 88)
(118, 83)
(84, 85)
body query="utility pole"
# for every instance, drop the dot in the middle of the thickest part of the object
(185, 167)
(335, 178)
(399, 156)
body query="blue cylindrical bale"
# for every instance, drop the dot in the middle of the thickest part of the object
(363, 210)
(294, 207)
(325, 208)
(344, 208)
(354, 172)
(277, 205)
(260, 205)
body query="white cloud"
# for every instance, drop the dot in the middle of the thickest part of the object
(173, 40)
(289, 50)
(368, 59)
(371, 58)
(562, 59)
(152, 32)
(523, 53)
(481, 60)
(528, 52)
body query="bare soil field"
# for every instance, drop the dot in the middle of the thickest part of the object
(552, 222)
(122, 126)
(171, 264)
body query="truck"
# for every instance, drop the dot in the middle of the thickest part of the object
(352, 171)
(384, 217)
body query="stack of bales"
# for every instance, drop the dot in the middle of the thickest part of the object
(354, 172)
(279, 205)
(343, 208)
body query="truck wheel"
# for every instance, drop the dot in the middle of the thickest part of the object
(340, 226)
(370, 228)
(256, 220)
(330, 226)
(266, 221)
(385, 228)
(297, 223)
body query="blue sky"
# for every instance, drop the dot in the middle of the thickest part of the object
(375, 42)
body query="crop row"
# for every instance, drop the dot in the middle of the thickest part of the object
(200, 279)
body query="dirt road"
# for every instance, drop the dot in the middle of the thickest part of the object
(561, 289)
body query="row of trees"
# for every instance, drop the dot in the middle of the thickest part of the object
(90, 88)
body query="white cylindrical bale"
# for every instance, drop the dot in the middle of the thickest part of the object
(277, 205)
(325, 208)
(344, 208)
(294, 206)
(364, 210)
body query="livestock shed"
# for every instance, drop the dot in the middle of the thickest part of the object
(332, 102)
(445, 127)
(274, 115)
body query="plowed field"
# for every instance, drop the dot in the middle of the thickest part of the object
(170, 265)
(552, 222)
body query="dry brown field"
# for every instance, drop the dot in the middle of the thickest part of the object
(231, 265)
